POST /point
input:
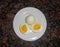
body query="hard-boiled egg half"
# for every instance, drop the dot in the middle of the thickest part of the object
(24, 28)
(36, 27)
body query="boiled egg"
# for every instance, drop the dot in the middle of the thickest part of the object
(24, 28)
(36, 27)
(30, 19)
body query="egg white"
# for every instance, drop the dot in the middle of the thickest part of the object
(30, 19)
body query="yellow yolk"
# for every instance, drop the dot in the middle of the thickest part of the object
(23, 28)
(36, 26)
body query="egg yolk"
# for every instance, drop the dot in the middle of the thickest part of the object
(37, 26)
(23, 28)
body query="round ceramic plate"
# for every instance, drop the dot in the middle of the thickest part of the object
(20, 18)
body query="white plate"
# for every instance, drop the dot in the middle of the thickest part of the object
(20, 18)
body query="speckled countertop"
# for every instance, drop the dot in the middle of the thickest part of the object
(51, 9)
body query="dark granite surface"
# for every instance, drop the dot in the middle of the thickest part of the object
(51, 9)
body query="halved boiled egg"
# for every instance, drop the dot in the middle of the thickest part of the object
(24, 28)
(36, 27)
